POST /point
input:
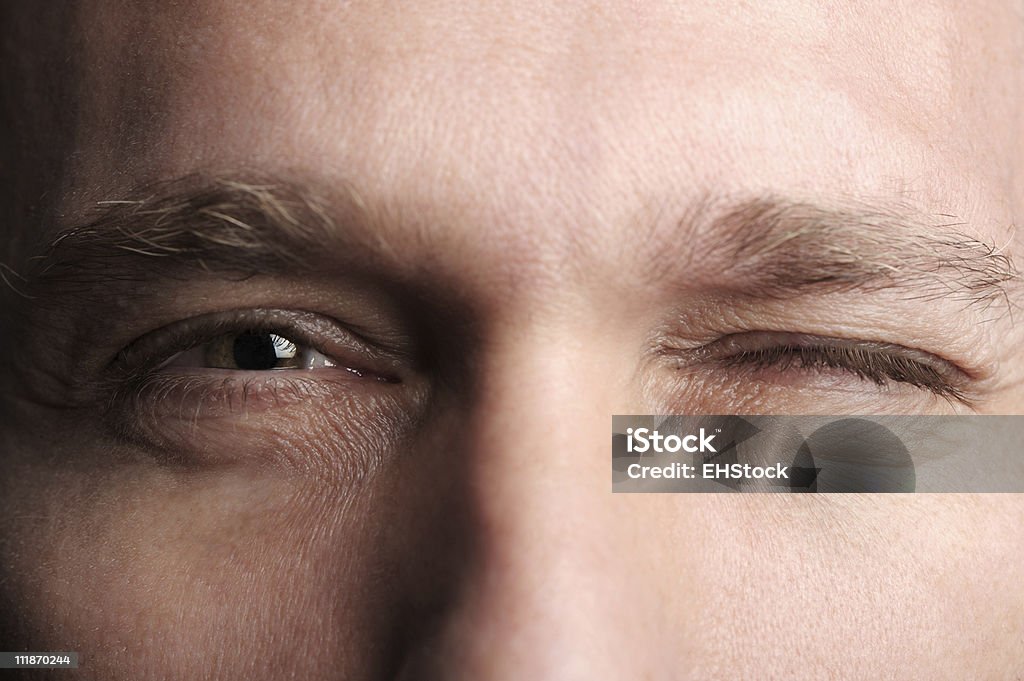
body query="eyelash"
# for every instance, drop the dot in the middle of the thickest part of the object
(881, 368)
(877, 362)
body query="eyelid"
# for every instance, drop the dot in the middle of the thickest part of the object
(326, 335)
(754, 348)
(735, 343)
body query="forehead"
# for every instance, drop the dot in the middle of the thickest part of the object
(524, 113)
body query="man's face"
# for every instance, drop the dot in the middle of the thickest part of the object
(470, 233)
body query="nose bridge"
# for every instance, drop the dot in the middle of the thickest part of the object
(539, 464)
(549, 595)
(538, 435)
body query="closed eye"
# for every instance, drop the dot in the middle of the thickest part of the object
(878, 362)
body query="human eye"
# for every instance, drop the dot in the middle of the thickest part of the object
(879, 363)
(272, 371)
(255, 341)
(256, 349)
(802, 363)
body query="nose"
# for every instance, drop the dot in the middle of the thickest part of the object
(557, 588)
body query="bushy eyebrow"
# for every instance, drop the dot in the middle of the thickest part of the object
(762, 247)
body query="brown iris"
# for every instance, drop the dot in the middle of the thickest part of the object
(253, 351)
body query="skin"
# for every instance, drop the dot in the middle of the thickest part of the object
(531, 161)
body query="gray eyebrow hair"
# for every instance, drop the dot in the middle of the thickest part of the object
(764, 247)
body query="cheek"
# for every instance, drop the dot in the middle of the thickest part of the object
(794, 584)
(147, 566)
(190, 569)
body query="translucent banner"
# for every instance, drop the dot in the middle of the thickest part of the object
(818, 454)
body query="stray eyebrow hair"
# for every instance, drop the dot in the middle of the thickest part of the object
(766, 247)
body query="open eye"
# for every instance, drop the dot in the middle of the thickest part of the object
(258, 341)
(250, 350)
(278, 370)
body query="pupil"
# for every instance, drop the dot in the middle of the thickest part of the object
(255, 351)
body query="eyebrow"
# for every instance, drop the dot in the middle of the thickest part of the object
(195, 222)
(778, 248)
(763, 248)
